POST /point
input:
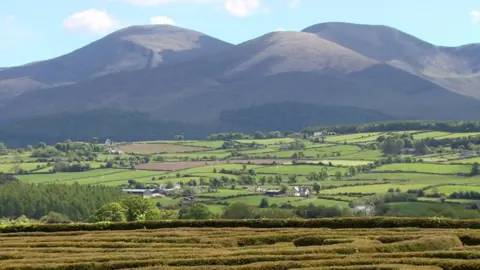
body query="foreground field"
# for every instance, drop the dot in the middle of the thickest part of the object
(244, 248)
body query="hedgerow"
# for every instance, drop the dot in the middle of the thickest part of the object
(334, 223)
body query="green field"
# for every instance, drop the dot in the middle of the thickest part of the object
(101, 176)
(459, 135)
(207, 144)
(223, 193)
(337, 154)
(358, 137)
(368, 189)
(447, 190)
(10, 167)
(432, 134)
(425, 168)
(218, 167)
(336, 162)
(364, 155)
(269, 141)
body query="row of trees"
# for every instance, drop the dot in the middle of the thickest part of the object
(448, 126)
(138, 209)
(258, 135)
(395, 144)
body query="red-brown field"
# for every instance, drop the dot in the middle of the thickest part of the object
(175, 166)
(150, 148)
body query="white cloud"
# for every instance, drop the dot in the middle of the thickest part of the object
(294, 3)
(241, 8)
(475, 16)
(237, 8)
(91, 20)
(280, 29)
(162, 20)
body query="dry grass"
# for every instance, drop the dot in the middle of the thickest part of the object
(240, 248)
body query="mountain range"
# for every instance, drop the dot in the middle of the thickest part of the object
(183, 81)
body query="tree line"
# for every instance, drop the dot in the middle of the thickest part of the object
(448, 126)
(75, 201)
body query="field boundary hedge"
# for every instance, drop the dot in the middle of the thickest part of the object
(333, 223)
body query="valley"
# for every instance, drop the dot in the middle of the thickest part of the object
(341, 170)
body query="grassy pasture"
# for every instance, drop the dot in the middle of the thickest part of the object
(205, 144)
(255, 201)
(459, 135)
(425, 168)
(449, 189)
(377, 189)
(326, 152)
(151, 148)
(299, 169)
(363, 155)
(269, 141)
(100, 176)
(198, 155)
(371, 136)
(428, 209)
(9, 167)
(218, 167)
(415, 178)
(224, 193)
(430, 134)
(242, 248)
(336, 162)
(466, 161)
(14, 158)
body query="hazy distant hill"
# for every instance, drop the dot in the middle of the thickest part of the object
(330, 73)
(456, 68)
(132, 48)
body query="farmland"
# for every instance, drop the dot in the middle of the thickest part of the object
(338, 170)
(245, 248)
(293, 202)
(151, 148)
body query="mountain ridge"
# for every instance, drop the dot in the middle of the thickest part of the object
(443, 65)
(325, 69)
(131, 48)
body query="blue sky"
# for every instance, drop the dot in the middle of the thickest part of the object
(37, 30)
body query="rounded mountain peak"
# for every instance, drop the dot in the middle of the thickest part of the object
(280, 52)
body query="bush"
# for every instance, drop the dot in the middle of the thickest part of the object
(55, 218)
(422, 244)
(308, 241)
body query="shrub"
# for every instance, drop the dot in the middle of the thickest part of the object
(309, 241)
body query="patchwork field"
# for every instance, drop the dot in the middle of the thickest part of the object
(244, 248)
(355, 163)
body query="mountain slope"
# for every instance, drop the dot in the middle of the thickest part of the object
(242, 87)
(155, 89)
(132, 48)
(454, 68)
(277, 67)
(281, 52)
